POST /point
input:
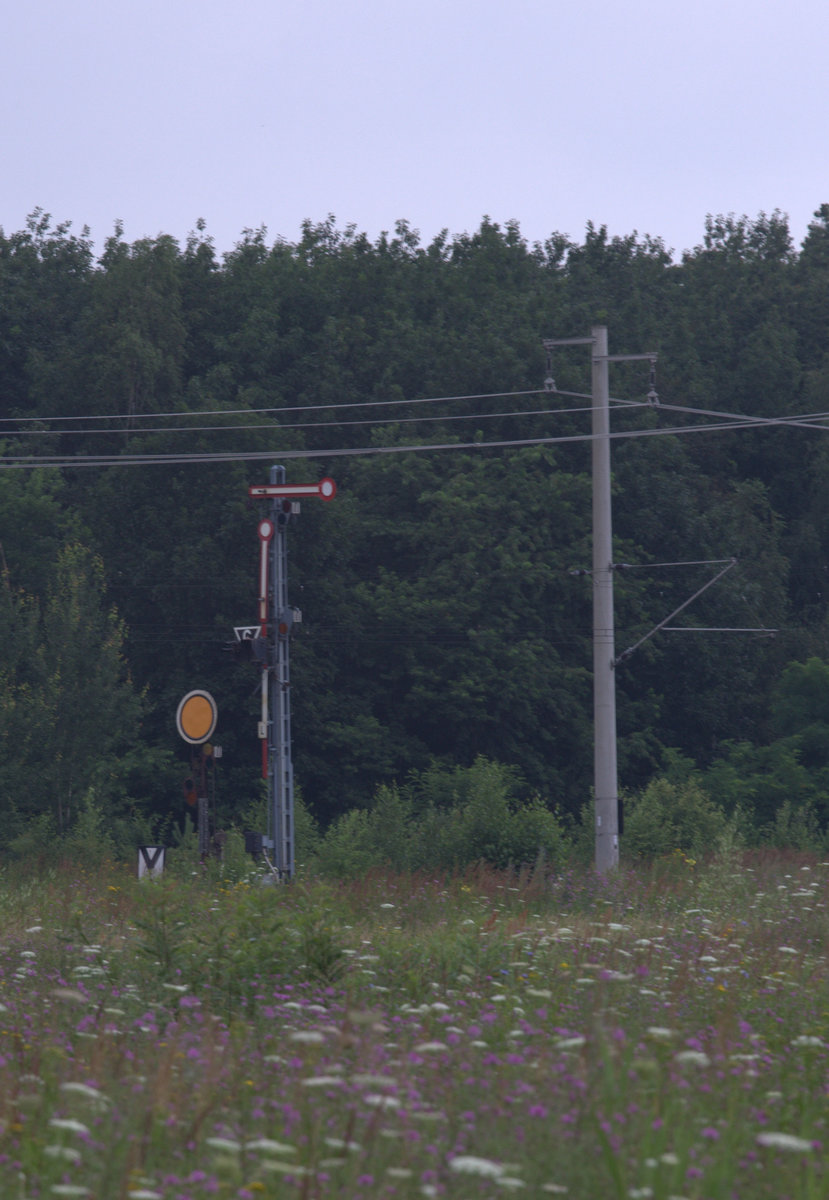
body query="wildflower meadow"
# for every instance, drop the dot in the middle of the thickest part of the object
(662, 1032)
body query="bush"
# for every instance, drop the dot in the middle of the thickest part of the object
(89, 840)
(361, 839)
(669, 816)
(795, 827)
(444, 819)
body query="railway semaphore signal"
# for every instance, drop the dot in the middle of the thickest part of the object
(270, 642)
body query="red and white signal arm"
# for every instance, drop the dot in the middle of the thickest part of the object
(326, 489)
(196, 717)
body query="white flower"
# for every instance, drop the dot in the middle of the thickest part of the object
(470, 1164)
(222, 1143)
(338, 1144)
(62, 1152)
(269, 1146)
(381, 1101)
(784, 1141)
(86, 1092)
(693, 1058)
(430, 1047)
(68, 1124)
(70, 994)
(571, 1043)
(310, 1037)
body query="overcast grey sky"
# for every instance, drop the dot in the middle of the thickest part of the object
(638, 114)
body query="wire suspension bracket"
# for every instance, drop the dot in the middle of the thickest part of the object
(663, 625)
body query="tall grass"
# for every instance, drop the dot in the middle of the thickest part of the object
(660, 1033)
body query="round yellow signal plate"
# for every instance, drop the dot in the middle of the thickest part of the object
(196, 717)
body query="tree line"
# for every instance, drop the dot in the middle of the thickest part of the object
(446, 613)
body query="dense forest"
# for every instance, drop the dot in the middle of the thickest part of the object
(444, 615)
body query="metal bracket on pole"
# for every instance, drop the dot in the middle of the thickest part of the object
(551, 343)
(651, 357)
(663, 625)
(731, 562)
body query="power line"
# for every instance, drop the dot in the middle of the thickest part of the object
(374, 422)
(229, 412)
(724, 421)
(31, 462)
(804, 421)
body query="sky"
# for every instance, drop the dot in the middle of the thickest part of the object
(641, 115)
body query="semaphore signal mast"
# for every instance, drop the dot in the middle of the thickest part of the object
(270, 641)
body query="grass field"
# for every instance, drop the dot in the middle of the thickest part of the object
(661, 1033)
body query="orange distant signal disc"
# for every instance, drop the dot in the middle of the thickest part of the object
(196, 717)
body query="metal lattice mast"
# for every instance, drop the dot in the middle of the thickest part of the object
(271, 647)
(280, 766)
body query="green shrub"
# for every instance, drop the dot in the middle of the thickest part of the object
(581, 835)
(533, 829)
(489, 823)
(361, 839)
(183, 856)
(36, 839)
(89, 840)
(345, 850)
(306, 830)
(667, 816)
(477, 826)
(795, 827)
(444, 819)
